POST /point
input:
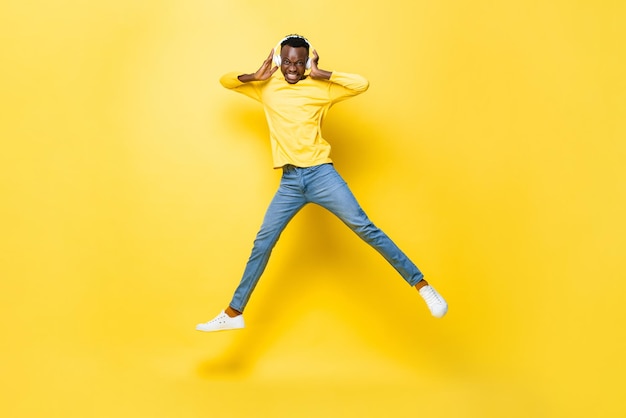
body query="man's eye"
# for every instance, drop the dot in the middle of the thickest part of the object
(297, 63)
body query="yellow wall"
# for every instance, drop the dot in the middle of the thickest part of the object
(490, 147)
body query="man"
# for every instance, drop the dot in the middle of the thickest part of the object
(295, 104)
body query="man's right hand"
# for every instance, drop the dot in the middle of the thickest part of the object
(262, 73)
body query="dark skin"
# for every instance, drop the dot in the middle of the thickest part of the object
(293, 67)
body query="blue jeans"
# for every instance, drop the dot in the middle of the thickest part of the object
(321, 185)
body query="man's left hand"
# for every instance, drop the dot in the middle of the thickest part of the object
(316, 72)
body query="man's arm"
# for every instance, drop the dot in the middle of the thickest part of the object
(353, 82)
(316, 72)
(242, 83)
(343, 85)
(262, 73)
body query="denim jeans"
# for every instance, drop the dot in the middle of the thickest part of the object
(321, 185)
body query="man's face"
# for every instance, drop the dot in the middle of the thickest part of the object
(293, 63)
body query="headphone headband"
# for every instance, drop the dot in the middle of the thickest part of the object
(295, 36)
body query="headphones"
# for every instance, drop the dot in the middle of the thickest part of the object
(278, 59)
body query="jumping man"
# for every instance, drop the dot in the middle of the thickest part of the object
(295, 104)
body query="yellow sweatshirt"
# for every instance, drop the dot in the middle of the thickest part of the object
(295, 112)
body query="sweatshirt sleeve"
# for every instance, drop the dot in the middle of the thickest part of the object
(250, 89)
(344, 85)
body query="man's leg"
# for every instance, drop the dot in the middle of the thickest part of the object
(284, 206)
(287, 201)
(330, 191)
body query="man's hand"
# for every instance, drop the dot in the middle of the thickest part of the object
(317, 73)
(262, 73)
(266, 69)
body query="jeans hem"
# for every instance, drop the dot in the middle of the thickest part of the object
(419, 279)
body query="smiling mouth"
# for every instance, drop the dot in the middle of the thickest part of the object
(292, 76)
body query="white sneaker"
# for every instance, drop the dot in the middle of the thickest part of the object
(437, 305)
(222, 322)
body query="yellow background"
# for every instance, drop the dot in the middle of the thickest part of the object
(490, 147)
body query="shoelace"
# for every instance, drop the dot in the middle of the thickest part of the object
(431, 296)
(219, 318)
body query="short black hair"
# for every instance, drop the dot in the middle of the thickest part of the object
(295, 41)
